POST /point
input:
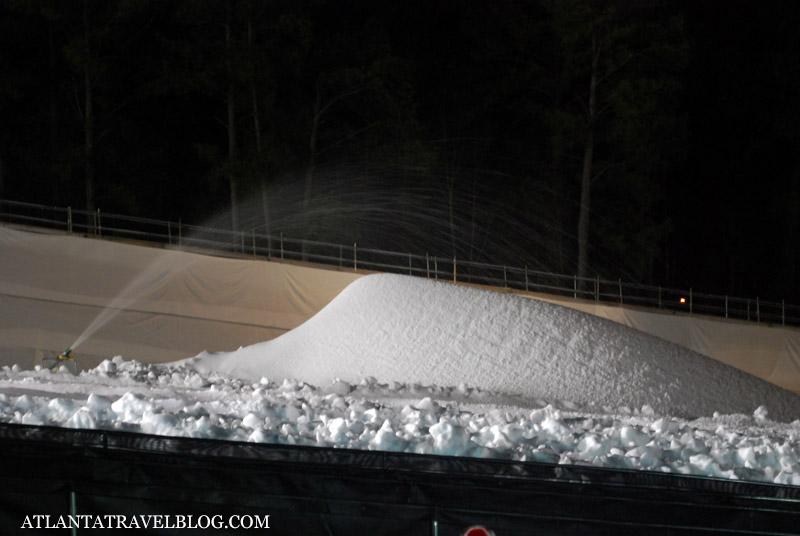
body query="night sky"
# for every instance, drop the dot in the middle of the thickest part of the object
(479, 129)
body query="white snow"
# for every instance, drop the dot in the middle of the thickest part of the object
(411, 330)
(403, 364)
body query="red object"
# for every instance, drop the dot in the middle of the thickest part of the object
(478, 530)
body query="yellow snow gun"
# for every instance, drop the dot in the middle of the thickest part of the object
(63, 360)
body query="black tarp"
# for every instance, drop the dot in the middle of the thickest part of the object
(311, 491)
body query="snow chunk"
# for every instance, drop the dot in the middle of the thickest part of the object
(449, 439)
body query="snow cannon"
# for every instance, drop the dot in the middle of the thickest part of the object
(64, 360)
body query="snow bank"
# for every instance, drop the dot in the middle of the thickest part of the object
(412, 330)
(177, 401)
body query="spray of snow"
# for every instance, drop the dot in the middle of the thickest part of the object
(162, 269)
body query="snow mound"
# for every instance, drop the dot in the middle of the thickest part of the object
(412, 330)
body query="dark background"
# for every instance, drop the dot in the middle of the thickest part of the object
(450, 127)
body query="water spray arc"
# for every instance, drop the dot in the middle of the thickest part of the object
(166, 267)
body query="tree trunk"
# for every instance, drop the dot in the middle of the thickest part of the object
(732, 264)
(256, 121)
(586, 176)
(560, 265)
(232, 159)
(253, 93)
(88, 129)
(791, 244)
(231, 123)
(265, 207)
(451, 186)
(474, 218)
(58, 183)
(585, 208)
(88, 120)
(2, 188)
(264, 193)
(312, 162)
(312, 153)
(257, 132)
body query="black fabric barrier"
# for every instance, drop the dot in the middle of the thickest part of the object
(321, 491)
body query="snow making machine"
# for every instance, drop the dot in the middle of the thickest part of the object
(63, 361)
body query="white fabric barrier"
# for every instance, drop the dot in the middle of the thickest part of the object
(769, 352)
(162, 304)
(172, 304)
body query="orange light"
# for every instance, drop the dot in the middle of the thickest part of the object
(683, 300)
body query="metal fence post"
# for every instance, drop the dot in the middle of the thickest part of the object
(69, 219)
(281, 246)
(254, 243)
(355, 257)
(758, 311)
(575, 286)
(427, 265)
(597, 289)
(73, 509)
(435, 268)
(454, 270)
(505, 278)
(726, 306)
(409, 264)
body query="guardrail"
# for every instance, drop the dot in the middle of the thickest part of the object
(279, 247)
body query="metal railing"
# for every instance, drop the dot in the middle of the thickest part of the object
(345, 256)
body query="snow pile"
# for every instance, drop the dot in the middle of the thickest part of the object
(412, 330)
(461, 421)
(402, 364)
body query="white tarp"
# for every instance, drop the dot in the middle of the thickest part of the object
(161, 304)
(174, 304)
(769, 352)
